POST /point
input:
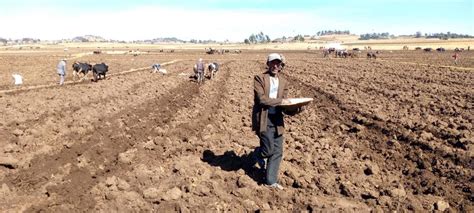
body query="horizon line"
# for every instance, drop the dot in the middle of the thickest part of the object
(423, 35)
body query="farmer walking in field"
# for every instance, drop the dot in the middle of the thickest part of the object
(199, 70)
(270, 90)
(61, 70)
(455, 57)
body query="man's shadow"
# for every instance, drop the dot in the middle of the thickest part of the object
(229, 161)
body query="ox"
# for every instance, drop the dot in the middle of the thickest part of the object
(341, 53)
(211, 51)
(371, 55)
(78, 68)
(213, 68)
(99, 71)
(328, 51)
(428, 49)
(440, 49)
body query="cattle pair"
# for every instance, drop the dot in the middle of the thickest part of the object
(98, 70)
(342, 53)
(371, 55)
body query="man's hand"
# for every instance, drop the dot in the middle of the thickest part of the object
(301, 109)
(285, 101)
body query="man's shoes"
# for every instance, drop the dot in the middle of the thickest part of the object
(276, 186)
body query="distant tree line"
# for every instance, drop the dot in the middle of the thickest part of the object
(333, 32)
(444, 36)
(257, 38)
(194, 41)
(368, 36)
(20, 41)
(89, 38)
(299, 38)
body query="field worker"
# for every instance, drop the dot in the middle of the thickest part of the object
(455, 57)
(325, 53)
(200, 66)
(17, 79)
(270, 90)
(156, 68)
(61, 70)
(199, 70)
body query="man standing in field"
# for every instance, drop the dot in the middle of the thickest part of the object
(61, 70)
(455, 57)
(199, 70)
(270, 90)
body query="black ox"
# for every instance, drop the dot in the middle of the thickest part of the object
(99, 71)
(79, 67)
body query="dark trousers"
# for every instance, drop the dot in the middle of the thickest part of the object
(271, 147)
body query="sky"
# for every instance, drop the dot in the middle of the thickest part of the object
(232, 20)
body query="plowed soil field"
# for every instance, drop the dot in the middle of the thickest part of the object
(394, 133)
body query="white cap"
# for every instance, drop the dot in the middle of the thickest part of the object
(274, 56)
